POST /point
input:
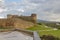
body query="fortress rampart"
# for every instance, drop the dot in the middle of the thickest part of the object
(18, 21)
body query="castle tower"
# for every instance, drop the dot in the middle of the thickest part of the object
(9, 16)
(33, 16)
(12, 16)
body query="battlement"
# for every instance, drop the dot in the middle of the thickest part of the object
(31, 18)
(11, 16)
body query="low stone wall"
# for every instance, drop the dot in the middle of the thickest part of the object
(36, 36)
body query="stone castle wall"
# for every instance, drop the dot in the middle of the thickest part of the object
(31, 18)
(16, 21)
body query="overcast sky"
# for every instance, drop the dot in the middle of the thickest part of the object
(45, 9)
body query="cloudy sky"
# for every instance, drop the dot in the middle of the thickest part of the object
(45, 9)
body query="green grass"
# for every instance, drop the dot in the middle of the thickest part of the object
(55, 33)
(39, 29)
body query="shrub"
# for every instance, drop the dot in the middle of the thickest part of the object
(49, 37)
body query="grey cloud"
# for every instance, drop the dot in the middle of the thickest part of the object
(37, 1)
(45, 9)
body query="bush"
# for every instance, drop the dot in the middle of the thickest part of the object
(39, 23)
(49, 37)
(58, 27)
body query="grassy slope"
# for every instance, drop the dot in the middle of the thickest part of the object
(55, 33)
(40, 29)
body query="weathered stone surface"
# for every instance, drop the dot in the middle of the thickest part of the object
(14, 36)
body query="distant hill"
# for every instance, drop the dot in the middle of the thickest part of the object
(43, 21)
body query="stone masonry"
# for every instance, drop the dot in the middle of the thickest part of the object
(15, 21)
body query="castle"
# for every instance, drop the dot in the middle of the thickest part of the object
(15, 21)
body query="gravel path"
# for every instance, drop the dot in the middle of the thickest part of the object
(14, 36)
